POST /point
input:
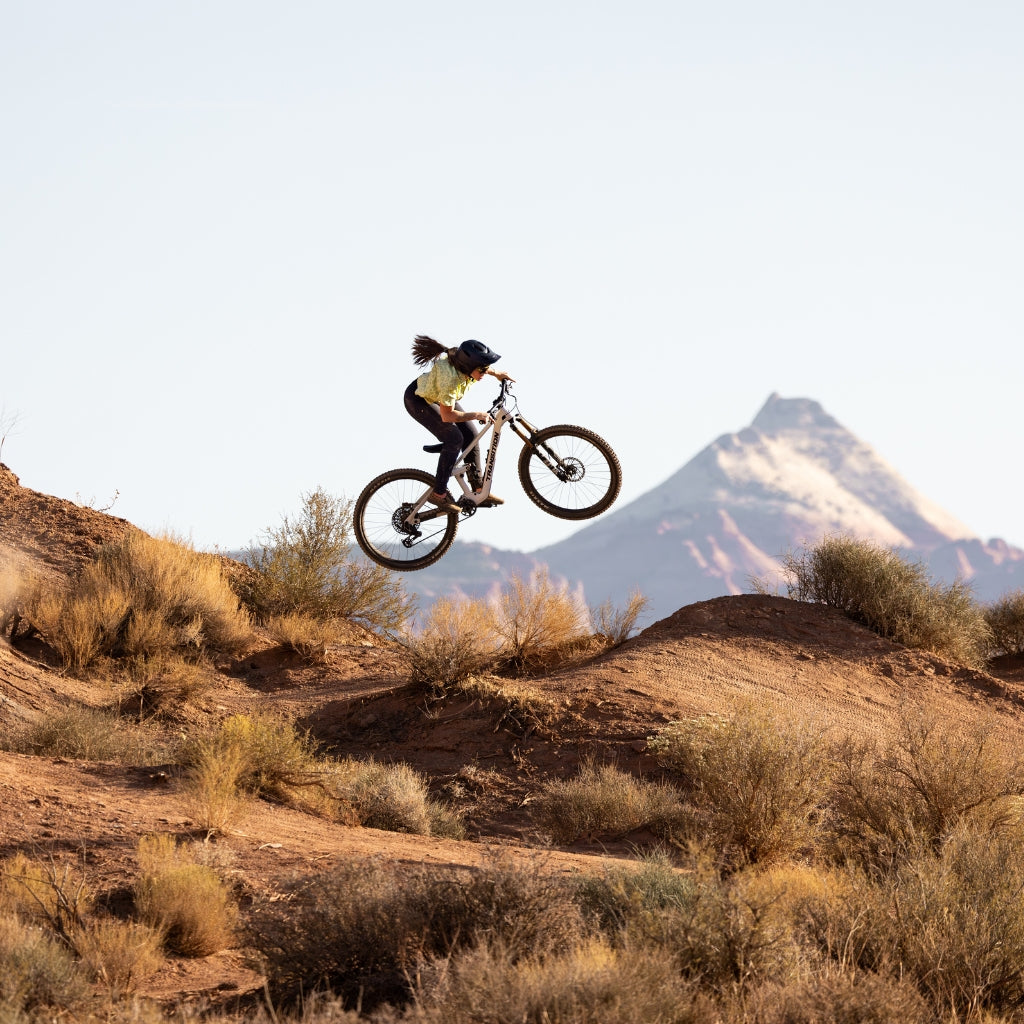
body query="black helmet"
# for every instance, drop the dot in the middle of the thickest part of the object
(472, 355)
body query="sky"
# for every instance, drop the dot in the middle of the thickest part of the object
(222, 222)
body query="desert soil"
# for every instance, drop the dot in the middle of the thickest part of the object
(704, 658)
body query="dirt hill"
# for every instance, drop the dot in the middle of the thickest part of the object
(704, 657)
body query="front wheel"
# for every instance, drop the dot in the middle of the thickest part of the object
(570, 472)
(382, 526)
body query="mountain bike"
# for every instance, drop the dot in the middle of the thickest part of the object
(567, 471)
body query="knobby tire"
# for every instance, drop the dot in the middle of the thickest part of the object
(377, 517)
(586, 479)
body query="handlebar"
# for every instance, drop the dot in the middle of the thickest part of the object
(499, 402)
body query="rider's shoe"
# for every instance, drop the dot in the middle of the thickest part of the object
(491, 501)
(445, 503)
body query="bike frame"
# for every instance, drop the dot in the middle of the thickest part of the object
(500, 416)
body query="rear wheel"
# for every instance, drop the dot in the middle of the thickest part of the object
(570, 472)
(380, 520)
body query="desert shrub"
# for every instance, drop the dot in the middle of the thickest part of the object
(45, 890)
(839, 995)
(591, 983)
(457, 640)
(308, 565)
(722, 933)
(895, 597)
(931, 778)
(185, 900)
(36, 970)
(616, 624)
(392, 797)
(12, 597)
(274, 756)
(361, 928)
(89, 734)
(308, 636)
(1005, 618)
(756, 781)
(539, 622)
(142, 596)
(952, 921)
(612, 898)
(605, 801)
(118, 954)
(164, 683)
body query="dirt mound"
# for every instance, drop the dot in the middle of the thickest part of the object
(43, 537)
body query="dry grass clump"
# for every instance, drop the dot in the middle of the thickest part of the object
(46, 891)
(840, 995)
(308, 636)
(931, 779)
(878, 588)
(185, 900)
(246, 756)
(392, 797)
(89, 734)
(143, 596)
(540, 623)
(951, 920)
(616, 624)
(119, 954)
(1005, 618)
(755, 780)
(725, 934)
(308, 565)
(458, 640)
(363, 928)
(38, 975)
(593, 982)
(618, 895)
(12, 597)
(603, 801)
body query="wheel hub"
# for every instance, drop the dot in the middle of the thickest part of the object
(571, 470)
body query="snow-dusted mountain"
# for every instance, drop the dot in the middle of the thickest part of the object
(789, 478)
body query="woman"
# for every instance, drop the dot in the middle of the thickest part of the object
(433, 400)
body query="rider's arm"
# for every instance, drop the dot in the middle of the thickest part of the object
(499, 375)
(450, 415)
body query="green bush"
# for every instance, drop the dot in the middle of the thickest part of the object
(1005, 618)
(756, 781)
(603, 801)
(892, 596)
(309, 565)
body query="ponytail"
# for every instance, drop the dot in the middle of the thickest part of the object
(425, 349)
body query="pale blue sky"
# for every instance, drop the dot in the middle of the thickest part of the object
(223, 222)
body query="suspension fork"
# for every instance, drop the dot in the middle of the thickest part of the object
(543, 452)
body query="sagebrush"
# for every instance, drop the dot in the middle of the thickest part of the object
(892, 595)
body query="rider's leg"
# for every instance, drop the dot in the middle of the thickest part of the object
(451, 435)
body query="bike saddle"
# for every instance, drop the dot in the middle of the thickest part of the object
(434, 448)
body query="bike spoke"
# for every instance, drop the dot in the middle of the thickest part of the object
(384, 533)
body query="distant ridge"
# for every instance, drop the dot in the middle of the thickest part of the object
(794, 475)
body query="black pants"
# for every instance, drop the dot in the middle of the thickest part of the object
(453, 436)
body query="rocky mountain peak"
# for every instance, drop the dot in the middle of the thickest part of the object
(783, 415)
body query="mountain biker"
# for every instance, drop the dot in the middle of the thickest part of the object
(433, 400)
